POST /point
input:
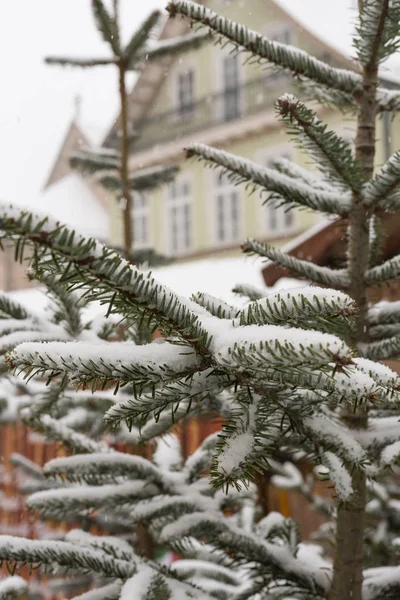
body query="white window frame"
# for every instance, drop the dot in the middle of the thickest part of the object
(184, 68)
(219, 80)
(283, 227)
(180, 204)
(225, 189)
(274, 31)
(141, 213)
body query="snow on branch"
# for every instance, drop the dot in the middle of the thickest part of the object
(287, 57)
(387, 100)
(55, 503)
(377, 35)
(9, 308)
(197, 387)
(54, 430)
(382, 374)
(12, 587)
(111, 278)
(321, 275)
(384, 313)
(390, 269)
(391, 454)
(331, 153)
(106, 592)
(250, 345)
(139, 181)
(91, 161)
(227, 537)
(240, 170)
(65, 61)
(248, 291)
(215, 306)
(382, 350)
(102, 467)
(296, 306)
(384, 190)
(381, 582)
(68, 555)
(116, 364)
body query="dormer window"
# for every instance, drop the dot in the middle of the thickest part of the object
(186, 94)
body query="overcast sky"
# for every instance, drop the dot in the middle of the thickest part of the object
(37, 101)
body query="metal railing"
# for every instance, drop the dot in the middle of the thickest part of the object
(209, 111)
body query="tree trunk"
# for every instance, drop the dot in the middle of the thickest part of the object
(350, 525)
(126, 198)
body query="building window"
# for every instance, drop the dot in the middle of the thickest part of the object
(186, 94)
(231, 95)
(180, 211)
(227, 220)
(140, 216)
(280, 218)
(278, 77)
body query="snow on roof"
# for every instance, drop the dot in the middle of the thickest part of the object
(71, 201)
(217, 277)
(333, 22)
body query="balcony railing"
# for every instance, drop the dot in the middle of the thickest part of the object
(209, 111)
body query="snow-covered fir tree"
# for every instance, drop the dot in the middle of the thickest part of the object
(299, 370)
(109, 166)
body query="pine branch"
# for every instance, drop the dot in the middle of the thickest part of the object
(297, 306)
(390, 269)
(65, 61)
(111, 591)
(11, 309)
(291, 169)
(89, 161)
(104, 468)
(377, 35)
(303, 268)
(387, 100)
(384, 313)
(384, 190)
(219, 532)
(141, 35)
(140, 181)
(248, 291)
(67, 555)
(12, 587)
(175, 46)
(111, 278)
(298, 62)
(240, 170)
(107, 26)
(383, 350)
(382, 374)
(85, 363)
(215, 306)
(330, 152)
(180, 395)
(56, 503)
(68, 304)
(53, 430)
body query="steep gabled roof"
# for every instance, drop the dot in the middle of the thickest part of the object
(72, 201)
(74, 139)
